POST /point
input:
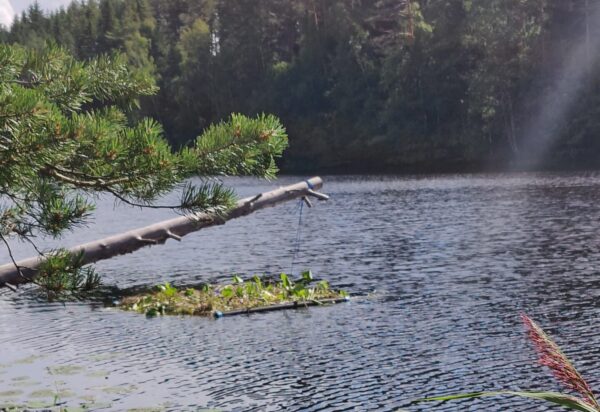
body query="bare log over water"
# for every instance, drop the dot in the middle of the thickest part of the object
(158, 233)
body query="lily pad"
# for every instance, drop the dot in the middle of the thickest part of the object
(97, 374)
(9, 394)
(20, 378)
(28, 360)
(38, 405)
(65, 370)
(119, 390)
(43, 393)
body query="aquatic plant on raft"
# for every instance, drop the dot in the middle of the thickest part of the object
(550, 355)
(237, 297)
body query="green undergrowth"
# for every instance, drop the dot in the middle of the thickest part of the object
(241, 294)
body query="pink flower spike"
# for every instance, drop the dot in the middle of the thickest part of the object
(551, 356)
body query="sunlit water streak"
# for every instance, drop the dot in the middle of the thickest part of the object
(452, 261)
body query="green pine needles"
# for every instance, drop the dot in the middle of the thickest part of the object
(63, 276)
(66, 134)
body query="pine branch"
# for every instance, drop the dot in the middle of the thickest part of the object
(14, 262)
(94, 182)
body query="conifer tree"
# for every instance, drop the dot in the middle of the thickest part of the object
(193, 88)
(136, 29)
(109, 26)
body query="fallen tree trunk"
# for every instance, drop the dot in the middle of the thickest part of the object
(26, 270)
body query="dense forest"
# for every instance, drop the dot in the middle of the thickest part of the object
(362, 86)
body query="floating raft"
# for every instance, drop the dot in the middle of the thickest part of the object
(254, 295)
(281, 306)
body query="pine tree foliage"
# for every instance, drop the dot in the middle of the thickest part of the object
(65, 136)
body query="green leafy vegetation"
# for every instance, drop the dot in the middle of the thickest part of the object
(62, 276)
(68, 134)
(388, 85)
(563, 370)
(238, 295)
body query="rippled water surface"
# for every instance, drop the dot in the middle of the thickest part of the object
(443, 266)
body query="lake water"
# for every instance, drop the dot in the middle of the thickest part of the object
(441, 268)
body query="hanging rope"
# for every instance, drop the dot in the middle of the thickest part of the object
(299, 208)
